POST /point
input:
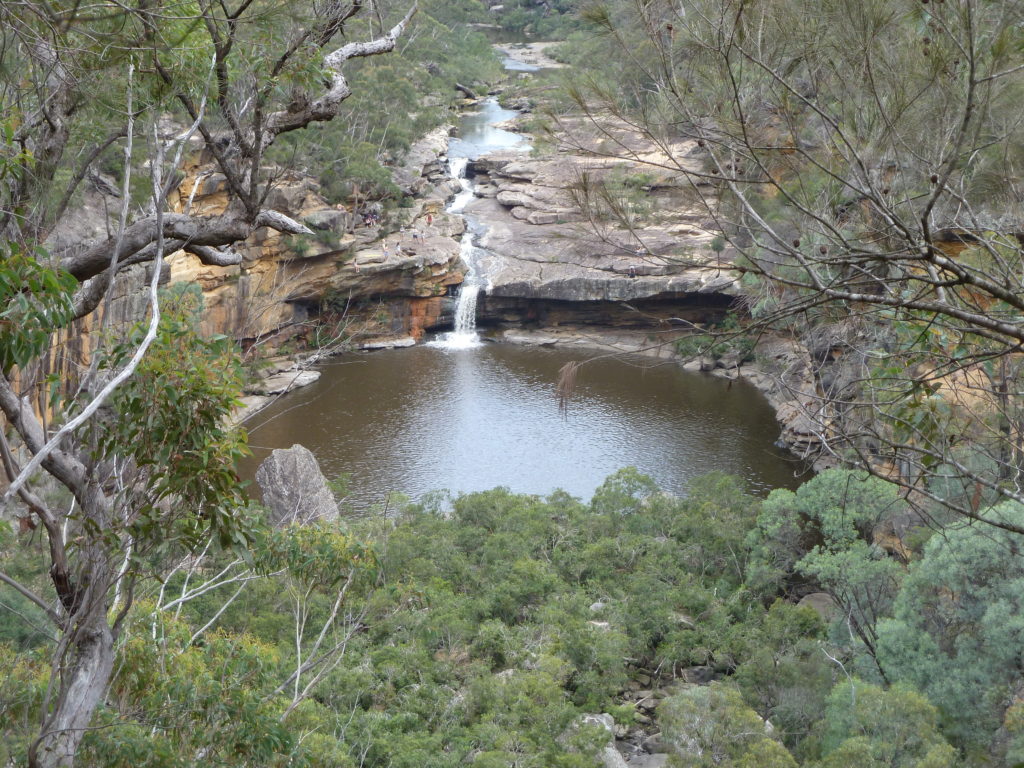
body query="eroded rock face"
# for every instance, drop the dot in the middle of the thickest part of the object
(294, 489)
(786, 375)
(285, 281)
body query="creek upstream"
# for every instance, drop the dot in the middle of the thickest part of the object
(464, 415)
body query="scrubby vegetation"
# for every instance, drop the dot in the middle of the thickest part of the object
(480, 631)
(351, 155)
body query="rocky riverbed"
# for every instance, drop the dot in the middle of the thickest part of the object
(575, 225)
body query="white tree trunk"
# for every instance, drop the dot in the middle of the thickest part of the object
(84, 682)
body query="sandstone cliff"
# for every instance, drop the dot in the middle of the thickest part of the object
(285, 283)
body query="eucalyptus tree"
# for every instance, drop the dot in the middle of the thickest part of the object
(861, 160)
(957, 632)
(141, 448)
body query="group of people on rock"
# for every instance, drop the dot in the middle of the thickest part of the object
(371, 218)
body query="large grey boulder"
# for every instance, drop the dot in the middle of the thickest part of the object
(294, 489)
(610, 756)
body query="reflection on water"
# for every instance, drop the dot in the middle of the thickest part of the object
(478, 134)
(515, 65)
(420, 419)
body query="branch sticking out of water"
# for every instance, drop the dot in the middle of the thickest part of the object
(566, 386)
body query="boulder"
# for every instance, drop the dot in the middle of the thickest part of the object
(210, 184)
(658, 760)
(327, 220)
(729, 360)
(822, 603)
(403, 341)
(284, 382)
(654, 744)
(610, 756)
(700, 675)
(542, 217)
(294, 489)
(515, 199)
(523, 171)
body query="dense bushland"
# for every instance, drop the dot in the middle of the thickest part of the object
(480, 629)
(859, 161)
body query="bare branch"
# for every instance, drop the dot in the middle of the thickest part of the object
(326, 107)
(32, 596)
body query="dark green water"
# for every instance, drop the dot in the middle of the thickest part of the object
(420, 419)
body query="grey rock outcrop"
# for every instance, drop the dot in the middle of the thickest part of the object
(822, 603)
(610, 756)
(542, 244)
(285, 381)
(294, 489)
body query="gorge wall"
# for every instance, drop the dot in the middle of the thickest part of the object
(577, 248)
(287, 284)
(549, 261)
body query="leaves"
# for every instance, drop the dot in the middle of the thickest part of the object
(170, 420)
(35, 301)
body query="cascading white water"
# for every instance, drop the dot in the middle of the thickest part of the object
(464, 335)
(457, 167)
(457, 170)
(478, 137)
(465, 312)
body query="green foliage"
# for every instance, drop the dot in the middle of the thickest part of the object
(551, 20)
(170, 420)
(353, 155)
(722, 337)
(837, 508)
(869, 726)
(35, 301)
(712, 726)
(319, 554)
(15, 160)
(480, 633)
(516, 715)
(206, 698)
(786, 677)
(958, 625)
(23, 682)
(838, 511)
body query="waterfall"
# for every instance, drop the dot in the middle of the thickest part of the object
(464, 335)
(465, 311)
(479, 135)
(457, 167)
(457, 170)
